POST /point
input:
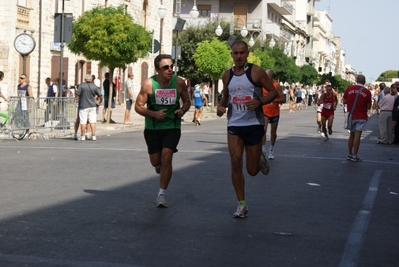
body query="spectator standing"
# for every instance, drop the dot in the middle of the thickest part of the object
(206, 92)
(106, 87)
(385, 108)
(52, 93)
(129, 97)
(242, 95)
(395, 116)
(159, 102)
(97, 83)
(359, 115)
(25, 93)
(86, 94)
(1, 78)
(272, 115)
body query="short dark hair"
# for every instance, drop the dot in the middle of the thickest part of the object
(159, 58)
(240, 42)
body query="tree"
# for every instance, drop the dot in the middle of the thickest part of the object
(109, 35)
(266, 62)
(212, 58)
(341, 84)
(285, 68)
(309, 74)
(387, 76)
(252, 58)
(188, 40)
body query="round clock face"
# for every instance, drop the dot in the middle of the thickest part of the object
(24, 44)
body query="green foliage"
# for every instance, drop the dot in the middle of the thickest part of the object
(309, 75)
(340, 83)
(266, 61)
(110, 36)
(254, 59)
(285, 68)
(212, 58)
(188, 40)
(336, 81)
(387, 76)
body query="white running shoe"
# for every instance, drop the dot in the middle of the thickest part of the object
(241, 211)
(271, 154)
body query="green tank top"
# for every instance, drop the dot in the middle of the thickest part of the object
(164, 98)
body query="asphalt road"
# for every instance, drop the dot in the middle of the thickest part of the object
(71, 203)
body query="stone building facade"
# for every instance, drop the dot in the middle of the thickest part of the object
(36, 17)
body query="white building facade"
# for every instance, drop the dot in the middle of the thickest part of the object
(36, 18)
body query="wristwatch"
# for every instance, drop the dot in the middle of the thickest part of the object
(184, 110)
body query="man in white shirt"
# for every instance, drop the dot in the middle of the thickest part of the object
(129, 97)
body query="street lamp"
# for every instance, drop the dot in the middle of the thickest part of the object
(194, 13)
(243, 32)
(162, 15)
(251, 41)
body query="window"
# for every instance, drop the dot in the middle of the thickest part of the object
(204, 11)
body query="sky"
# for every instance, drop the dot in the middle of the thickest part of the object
(368, 31)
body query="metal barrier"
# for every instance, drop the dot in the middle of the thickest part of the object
(56, 112)
(43, 116)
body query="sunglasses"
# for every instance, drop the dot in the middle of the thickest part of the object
(166, 67)
(22, 78)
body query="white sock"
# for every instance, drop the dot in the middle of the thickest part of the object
(271, 148)
(264, 147)
(161, 191)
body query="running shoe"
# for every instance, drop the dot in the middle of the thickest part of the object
(322, 135)
(264, 164)
(271, 154)
(330, 131)
(349, 157)
(75, 136)
(326, 138)
(319, 129)
(199, 122)
(356, 159)
(161, 201)
(93, 138)
(82, 138)
(241, 211)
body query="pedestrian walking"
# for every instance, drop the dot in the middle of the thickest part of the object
(159, 102)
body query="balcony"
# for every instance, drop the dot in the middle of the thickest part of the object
(23, 16)
(316, 16)
(310, 10)
(283, 7)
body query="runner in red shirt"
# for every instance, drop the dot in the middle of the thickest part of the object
(329, 100)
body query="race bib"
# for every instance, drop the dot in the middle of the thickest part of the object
(239, 102)
(327, 105)
(24, 104)
(165, 96)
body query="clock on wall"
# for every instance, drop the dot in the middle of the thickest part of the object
(24, 44)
